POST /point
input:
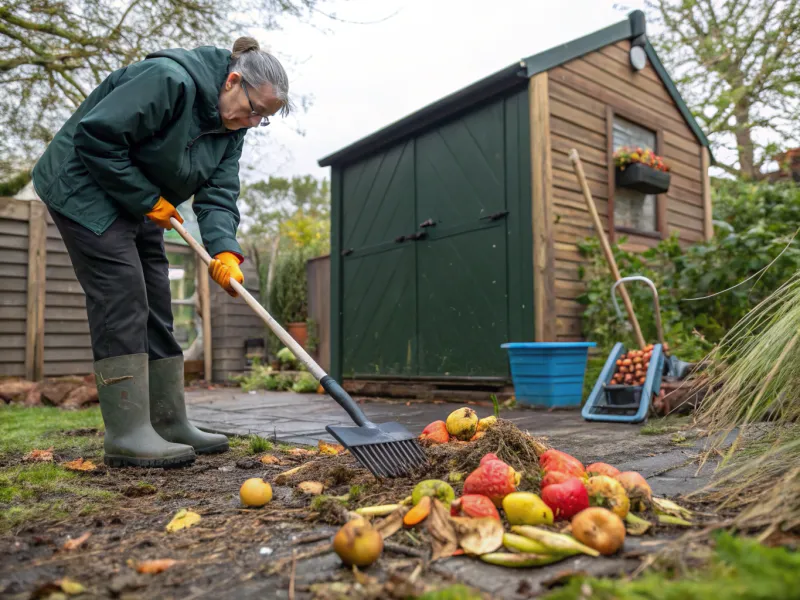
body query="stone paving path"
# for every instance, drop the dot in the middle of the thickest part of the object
(301, 419)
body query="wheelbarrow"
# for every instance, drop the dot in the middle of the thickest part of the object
(630, 403)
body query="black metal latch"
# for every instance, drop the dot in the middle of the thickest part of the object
(495, 216)
(420, 235)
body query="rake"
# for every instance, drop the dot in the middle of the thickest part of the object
(386, 449)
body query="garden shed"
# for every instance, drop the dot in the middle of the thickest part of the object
(455, 229)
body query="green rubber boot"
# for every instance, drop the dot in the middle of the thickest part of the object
(168, 409)
(130, 440)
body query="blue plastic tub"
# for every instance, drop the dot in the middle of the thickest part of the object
(548, 373)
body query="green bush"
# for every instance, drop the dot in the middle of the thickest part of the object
(756, 221)
(305, 384)
(289, 294)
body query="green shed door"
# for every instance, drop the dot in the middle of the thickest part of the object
(462, 271)
(379, 279)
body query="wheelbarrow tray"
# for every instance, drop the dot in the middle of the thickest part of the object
(623, 403)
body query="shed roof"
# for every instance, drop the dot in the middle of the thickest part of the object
(512, 77)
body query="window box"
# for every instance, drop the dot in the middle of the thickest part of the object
(640, 177)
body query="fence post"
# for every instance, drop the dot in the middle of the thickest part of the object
(37, 265)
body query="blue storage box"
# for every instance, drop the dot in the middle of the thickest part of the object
(548, 373)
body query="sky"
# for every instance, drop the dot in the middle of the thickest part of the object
(400, 56)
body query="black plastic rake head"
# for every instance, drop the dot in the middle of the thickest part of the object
(386, 449)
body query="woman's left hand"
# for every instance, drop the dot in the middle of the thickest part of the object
(162, 212)
(224, 267)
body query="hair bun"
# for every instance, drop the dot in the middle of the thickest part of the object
(244, 44)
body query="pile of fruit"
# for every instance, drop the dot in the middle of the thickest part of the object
(580, 510)
(462, 425)
(632, 367)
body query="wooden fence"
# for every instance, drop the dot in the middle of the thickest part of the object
(44, 331)
(318, 274)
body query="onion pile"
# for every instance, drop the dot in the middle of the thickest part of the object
(632, 367)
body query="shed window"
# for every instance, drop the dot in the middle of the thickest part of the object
(632, 209)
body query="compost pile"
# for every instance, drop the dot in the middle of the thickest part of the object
(489, 491)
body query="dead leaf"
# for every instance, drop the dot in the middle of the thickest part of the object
(183, 519)
(392, 523)
(39, 455)
(269, 459)
(282, 478)
(70, 586)
(80, 465)
(59, 588)
(363, 578)
(440, 527)
(75, 543)
(478, 536)
(151, 567)
(330, 449)
(302, 452)
(313, 488)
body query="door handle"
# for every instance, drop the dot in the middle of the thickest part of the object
(428, 223)
(495, 216)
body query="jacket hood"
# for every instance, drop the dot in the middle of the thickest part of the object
(208, 67)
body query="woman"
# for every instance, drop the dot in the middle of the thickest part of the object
(149, 137)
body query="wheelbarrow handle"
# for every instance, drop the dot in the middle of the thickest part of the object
(656, 303)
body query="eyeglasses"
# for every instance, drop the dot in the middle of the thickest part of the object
(264, 120)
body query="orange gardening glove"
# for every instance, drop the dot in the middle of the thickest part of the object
(223, 267)
(161, 213)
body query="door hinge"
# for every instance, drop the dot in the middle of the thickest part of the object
(495, 216)
(428, 223)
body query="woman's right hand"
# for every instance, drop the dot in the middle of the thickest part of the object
(224, 267)
(162, 212)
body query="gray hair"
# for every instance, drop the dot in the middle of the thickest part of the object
(258, 67)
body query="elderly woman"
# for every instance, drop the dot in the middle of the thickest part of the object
(152, 135)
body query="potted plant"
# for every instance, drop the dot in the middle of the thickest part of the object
(289, 295)
(642, 170)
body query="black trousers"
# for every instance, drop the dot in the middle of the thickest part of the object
(125, 275)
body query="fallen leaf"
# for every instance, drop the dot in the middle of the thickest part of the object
(183, 519)
(80, 465)
(39, 455)
(269, 459)
(302, 452)
(478, 536)
(59, 588)
(362, 578)
(393, 523)
(440, 527)
(313, 488)
(151, 567)
(75, 543)
(330, 449)
(70, 586)
(282, 478)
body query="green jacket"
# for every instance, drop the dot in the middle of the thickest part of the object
(149, 129)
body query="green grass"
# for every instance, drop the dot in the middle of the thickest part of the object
(259, 444)
(669, 424)
(740, 569)
(23, 428)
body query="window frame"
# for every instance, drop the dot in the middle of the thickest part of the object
(661, 200)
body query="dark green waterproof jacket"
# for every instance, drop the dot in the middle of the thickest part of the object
(150, 129)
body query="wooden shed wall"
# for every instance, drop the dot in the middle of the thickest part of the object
(13, 298)
(584, 94)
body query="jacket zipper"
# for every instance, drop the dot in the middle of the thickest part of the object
(192, 141)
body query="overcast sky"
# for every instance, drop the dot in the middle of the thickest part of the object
(362, 77)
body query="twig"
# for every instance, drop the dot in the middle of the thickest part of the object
(314, 537)
(293, 575)
(323, 549)
(401, 549)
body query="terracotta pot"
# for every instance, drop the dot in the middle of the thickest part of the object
(299, 331)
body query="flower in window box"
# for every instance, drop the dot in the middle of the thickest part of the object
(626, 155)
(641, 170)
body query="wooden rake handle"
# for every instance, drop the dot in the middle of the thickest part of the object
(601, 233)
(274, 326)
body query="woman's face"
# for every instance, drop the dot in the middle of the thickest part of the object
(238, 99)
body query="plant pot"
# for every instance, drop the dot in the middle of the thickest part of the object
(548, 373)
(299, 331)
(640, 177)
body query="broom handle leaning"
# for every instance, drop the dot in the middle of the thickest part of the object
(587, 195)
(276, 328)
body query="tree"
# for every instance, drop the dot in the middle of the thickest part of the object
(54, 52)
(736, 63)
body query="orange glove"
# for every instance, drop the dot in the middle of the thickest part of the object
(223, 267)
(161, 213)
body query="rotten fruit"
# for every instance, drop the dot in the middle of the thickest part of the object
(462, 423)
(486, 423)
(358, 543)
(255, 492)
(636, 487)
(435, 488)
(600, 529)
(600, 468)
(435, 433)
(525, 508)
(566, 499)
(608, 493)
(494, 479)
(475, 506)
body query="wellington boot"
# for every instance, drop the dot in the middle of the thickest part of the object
(168, 409)
(130, 439)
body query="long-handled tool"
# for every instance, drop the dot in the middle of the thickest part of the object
(387, 449)
(587, 195)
